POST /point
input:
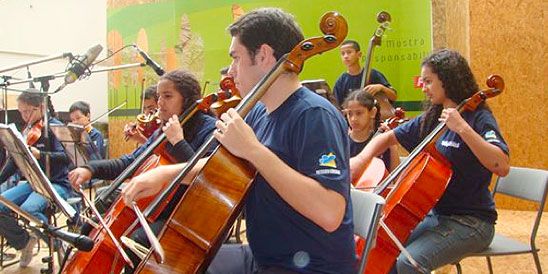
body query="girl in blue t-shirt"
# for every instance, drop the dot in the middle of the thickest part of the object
(463, 220)
(362, 112)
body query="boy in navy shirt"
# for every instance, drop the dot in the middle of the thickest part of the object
(80, 114)
(463, 220)
(298, 210)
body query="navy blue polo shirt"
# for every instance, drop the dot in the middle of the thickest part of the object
(347, 83)
(97, 138)
(309, 135)
(467, 192)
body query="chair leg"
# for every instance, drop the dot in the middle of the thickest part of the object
(537, 262)
(489, 264)
(459, 269)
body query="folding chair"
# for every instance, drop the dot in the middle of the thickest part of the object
(522, 183)
(367, 211)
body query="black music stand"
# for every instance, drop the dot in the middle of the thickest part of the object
(77, 143)
(30, 169)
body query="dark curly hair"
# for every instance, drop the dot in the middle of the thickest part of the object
(456, 78)
(188, 86)
(270, 26)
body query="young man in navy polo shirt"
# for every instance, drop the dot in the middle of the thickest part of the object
(299, 213)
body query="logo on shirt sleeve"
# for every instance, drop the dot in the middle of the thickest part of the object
(491, 137)
(328, 160)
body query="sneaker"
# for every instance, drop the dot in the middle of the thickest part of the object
(26, 252)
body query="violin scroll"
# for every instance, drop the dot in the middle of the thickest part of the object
(335, 28)
(227, 97)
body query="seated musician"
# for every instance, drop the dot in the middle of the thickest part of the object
(177, 90)
(29, 105)
(463, 220)
(364, 118)
(298, 210)
(80, 114)
(150, 105)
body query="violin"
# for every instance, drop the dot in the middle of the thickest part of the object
(146, 124)
(222, 106)
(34, 132)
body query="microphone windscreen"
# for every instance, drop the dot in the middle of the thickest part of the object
(80, 242)
(81, 63)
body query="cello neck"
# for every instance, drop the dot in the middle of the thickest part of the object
(367, 64)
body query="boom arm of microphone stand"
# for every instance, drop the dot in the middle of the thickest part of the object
(102, 70)
(43, 60)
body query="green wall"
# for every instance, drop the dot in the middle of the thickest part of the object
(399, 56)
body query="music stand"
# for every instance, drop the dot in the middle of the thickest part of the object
(77, 143)
(30, 169)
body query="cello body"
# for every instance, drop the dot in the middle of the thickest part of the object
(104, 257)
(420, 188)
(190, 240)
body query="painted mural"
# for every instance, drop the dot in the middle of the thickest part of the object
(192, 34)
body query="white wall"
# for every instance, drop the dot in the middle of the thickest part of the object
(32, 29)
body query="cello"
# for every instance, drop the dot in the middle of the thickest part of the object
(196, 229)
(119, 219)
(421, 180)
(384, 19)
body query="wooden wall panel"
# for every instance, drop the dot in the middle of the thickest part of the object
(446, 16)
(117, 145)
(508, 38)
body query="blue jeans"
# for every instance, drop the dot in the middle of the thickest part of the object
(30, 201)
(439, 240)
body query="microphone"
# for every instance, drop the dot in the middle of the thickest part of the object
(157, 68)
(80, 64)
(81, 242)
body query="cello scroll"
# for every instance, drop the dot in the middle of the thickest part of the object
(496, 86)
(335, 28)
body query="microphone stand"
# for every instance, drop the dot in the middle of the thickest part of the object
(42, 60)
(79, 241)
(54, 76)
